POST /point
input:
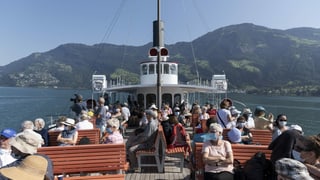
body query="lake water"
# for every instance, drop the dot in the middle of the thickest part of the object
(19, 104)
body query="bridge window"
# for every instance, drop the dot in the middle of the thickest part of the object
(140, 98)
(151, 68)
(144, 69)
(173, 68)
(166, 69)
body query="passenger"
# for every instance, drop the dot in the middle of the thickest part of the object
(126, 115)
(114, 136)
(309, 149)
(234, 112)
(283, 146)
(204, 116)
(154, 108)
(144, 140)
(69, 136)
(29, 126)
(234, 136)
(212, 111)
(260, 121)
(217, 155)
(5, 148)
(24, 144)
(179, 136)
(84, 122)
(249, 120)
(59, 124)
(224, 117)
(101, 116)
(78, 105)
(279, 126)
(40, 128)
(291, 169)
(167, 129)
(195, 118)
(32, 167)
(246, 136)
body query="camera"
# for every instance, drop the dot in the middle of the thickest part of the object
(77, 98)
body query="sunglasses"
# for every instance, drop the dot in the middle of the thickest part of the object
(282, 120)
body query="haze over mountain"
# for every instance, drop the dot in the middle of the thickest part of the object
(254, 58)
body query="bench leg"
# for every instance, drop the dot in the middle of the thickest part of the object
(159, 166)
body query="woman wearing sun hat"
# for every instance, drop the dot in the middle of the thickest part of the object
(69, 135)
(33, 167)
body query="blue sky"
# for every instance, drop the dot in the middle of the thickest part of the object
(29, 26)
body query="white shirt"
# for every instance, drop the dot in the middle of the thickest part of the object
(5, 157)
(84, 124)
(126, 113)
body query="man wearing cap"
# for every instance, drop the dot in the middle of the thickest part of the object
(5, 147)
(261, 122)
(25, 144)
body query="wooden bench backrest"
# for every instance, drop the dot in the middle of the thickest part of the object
(92, 134)
(241, 152)
(261, 137)
(86, 158)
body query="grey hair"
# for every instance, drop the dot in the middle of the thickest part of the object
(41, 123)
(27, 125)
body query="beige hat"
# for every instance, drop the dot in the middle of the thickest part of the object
(32, 167)
(114, 122)
(69, 122)
(292, 169)
(26, 142)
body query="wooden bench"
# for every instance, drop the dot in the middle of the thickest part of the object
(177, 152)
(92, 134)
(154, 152)
(104, 177)
(241, 152)
(93, 158)
(260, 137)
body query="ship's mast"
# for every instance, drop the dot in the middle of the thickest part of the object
(158, 42)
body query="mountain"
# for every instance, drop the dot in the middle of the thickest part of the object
(255, 58)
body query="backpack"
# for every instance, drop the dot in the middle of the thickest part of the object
(84, 140)
(258, 167)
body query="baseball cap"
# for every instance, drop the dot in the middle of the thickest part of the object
(8, 133)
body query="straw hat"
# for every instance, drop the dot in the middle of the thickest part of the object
(114, 122)
(32, 167)
(69, 122)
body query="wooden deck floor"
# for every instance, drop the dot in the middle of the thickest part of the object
(171, 170)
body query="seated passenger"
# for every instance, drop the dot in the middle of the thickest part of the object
(234, 136)
(84, 122)
(279, 126)
(246, 136)
(179, 136)
(260, 121)
(217, 155)
(142, 141)
(69, 135)
(114, 136)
